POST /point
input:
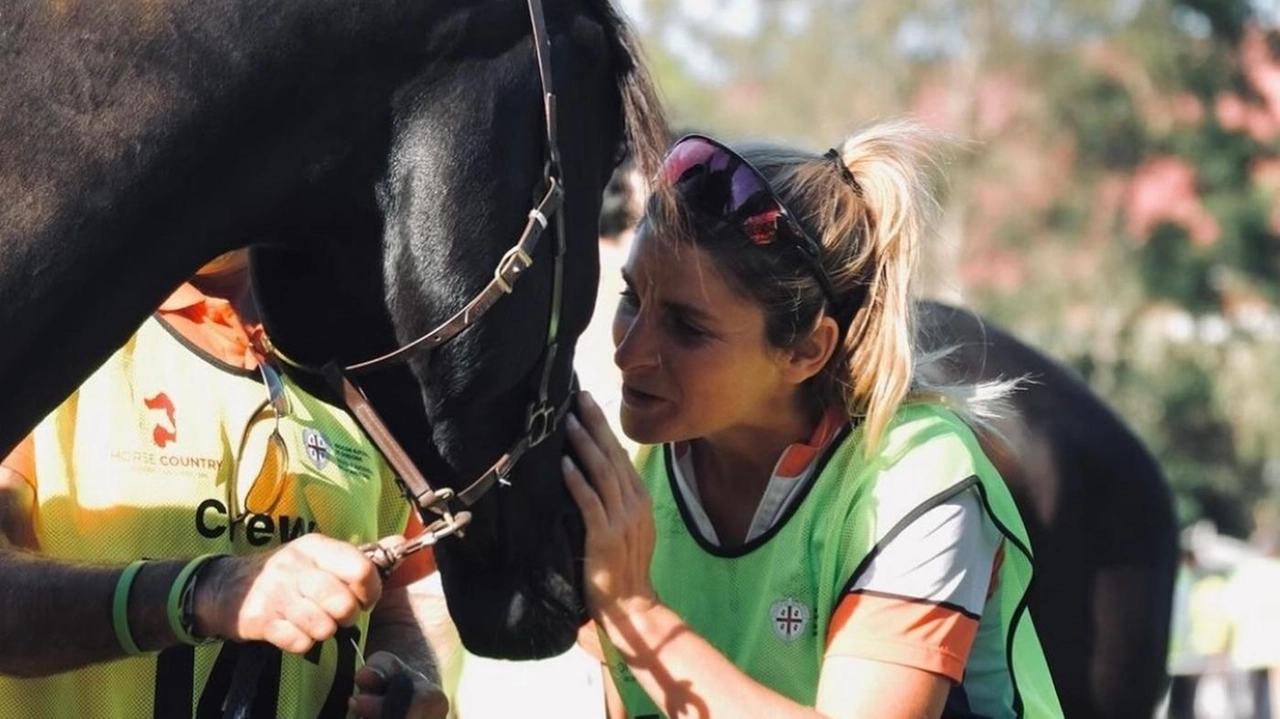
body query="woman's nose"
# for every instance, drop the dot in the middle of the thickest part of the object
(633, 343)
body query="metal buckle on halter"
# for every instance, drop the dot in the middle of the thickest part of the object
(436, 500)
(516, 260)
(540, 423)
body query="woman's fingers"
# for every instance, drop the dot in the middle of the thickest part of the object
(595, 465)
(630, 491)
(597, 424)
(286, 635)
(583, 495)
(310, 619)
(334, 597)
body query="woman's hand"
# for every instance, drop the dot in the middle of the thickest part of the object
(618, 516)
(377, 697)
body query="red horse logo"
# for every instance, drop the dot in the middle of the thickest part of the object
(161, 434)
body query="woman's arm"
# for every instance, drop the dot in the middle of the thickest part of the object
(17, 499)
(53, 615)
(853, 688)
(684, 674)
(395, 627)
(57, 616)
(688, 677)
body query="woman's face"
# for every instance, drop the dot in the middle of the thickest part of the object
(692, 351)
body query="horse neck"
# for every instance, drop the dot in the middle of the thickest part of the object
(107, 108)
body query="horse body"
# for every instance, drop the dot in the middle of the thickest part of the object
(1099, 514)
(143, 138)
(383, 155)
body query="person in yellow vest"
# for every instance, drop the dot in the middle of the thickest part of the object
(1248, 598)
(1200, 635)
(811, 528)
(187, 498)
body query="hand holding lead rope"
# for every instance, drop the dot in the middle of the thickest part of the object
(388, 558)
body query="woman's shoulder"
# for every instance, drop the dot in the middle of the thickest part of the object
(926, 422)
(928, 436)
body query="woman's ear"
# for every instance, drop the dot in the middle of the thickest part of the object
(810, 354)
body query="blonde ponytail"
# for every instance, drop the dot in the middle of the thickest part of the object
(893, 165)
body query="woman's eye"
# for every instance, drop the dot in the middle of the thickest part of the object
(686, 330)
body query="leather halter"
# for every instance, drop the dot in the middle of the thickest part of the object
(541, 417)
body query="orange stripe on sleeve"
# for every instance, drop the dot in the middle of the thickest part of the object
(901, 631)
(22, 460)
(415, 566)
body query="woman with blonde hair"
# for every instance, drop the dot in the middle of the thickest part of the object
(811, 528)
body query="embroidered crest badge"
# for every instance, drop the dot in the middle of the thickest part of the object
(317, 446)
(789, 618)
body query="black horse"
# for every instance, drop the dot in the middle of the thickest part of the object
(382, 155)
(1100, 517)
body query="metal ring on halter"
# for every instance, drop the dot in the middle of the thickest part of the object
(536, 214)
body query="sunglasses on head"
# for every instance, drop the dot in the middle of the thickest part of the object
(715, 183)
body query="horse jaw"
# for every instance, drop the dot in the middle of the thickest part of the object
(527, 610)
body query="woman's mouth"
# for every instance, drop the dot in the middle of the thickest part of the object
(635, 398)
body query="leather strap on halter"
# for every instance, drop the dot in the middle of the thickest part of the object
(510, 268)
(542, 51)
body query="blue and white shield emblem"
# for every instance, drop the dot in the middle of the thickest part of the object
(317, 448)
(789, 618)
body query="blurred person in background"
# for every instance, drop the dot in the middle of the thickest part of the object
(1200, 638)
(187, 494)
(810, 524)
(1254, 613)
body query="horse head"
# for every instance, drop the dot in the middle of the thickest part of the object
(382, 155)
(467, 161)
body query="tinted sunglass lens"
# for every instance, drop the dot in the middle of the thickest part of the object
(713, 181)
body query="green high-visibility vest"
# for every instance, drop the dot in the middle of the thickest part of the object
(767, 605)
